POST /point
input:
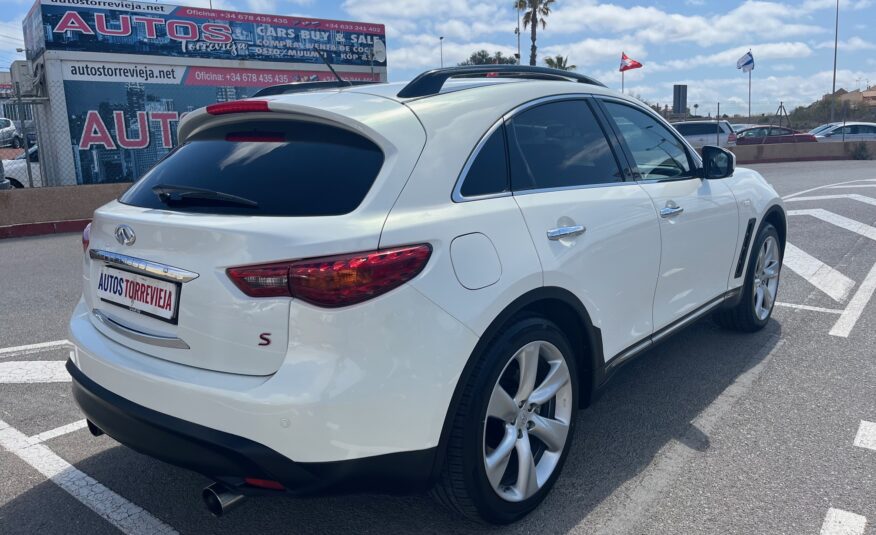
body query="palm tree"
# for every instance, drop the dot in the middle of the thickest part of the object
(534, 10)
(559, 62)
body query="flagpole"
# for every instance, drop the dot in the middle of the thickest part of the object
(622, 80)
(749, 96)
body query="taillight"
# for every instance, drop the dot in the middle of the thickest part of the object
(731, 138)
(238, 106)
(334, 281)
(86, 237)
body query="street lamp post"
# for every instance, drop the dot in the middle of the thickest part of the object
(835, 46)
(441, 44)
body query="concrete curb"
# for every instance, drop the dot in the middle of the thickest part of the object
(39, 229)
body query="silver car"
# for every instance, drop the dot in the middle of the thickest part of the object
(848, 132)
(700, 133)
(9, 134)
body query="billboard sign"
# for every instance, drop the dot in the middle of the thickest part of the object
(141, 28)
(123, 117)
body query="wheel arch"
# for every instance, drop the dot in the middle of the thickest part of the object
(775, 215)
(559, 306)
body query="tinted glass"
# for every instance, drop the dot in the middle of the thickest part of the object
(696, 129)
(559, 145)
(863, 129)
(780, 132)
(657, 152)
(488, 173)
(289, 168)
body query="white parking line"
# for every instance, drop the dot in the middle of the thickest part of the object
(33, 371)
(852, 186)
(856, 306)
(817, 273)
(853, 196)
(810, 308)
(58, 431)
(835, 219)
(839, 522)
(18, 351)
(866, 437)
(126, 516)
(789, 196)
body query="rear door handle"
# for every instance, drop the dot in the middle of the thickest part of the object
(671, 210)
(565, 232)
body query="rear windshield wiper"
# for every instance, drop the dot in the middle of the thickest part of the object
(169, 193)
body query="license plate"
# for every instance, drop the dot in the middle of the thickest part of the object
(138, 293)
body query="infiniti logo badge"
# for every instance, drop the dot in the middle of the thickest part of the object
(125, 235)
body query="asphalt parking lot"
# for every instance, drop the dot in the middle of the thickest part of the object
(711, 432)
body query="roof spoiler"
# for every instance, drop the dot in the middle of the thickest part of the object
(431, 82)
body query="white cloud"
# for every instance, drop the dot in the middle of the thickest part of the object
(764, 51)
(591, 51)
(852, 44)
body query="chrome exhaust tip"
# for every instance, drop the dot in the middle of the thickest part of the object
(220, 499)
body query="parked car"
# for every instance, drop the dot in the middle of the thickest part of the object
(762, 135)
(738, 127)
(16, 169)
(404, 286)
(848, 132)
(9, 134)
(701, 133)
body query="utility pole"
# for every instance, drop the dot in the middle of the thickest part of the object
(835, 46)
(441, 42)
(22, 117)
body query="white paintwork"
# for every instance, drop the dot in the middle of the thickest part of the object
(866, 437)
(839, 522)
(817, 273)
(127, 517)
(17, 169)
(475, 261)
(697, 245)
(323, 390)
(621, 226)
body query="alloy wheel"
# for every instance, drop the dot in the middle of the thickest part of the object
(527, 422)
(766, 278)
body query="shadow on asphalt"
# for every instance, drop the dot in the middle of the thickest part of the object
(649, 403)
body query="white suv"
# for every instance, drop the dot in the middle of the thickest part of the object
(402, 287)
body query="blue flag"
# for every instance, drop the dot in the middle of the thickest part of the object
(746, 62)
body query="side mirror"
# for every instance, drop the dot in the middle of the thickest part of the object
(718, 162)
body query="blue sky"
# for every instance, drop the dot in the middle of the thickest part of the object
(680, 41)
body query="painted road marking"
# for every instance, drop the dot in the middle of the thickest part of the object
(29, 349)
(839, 522)
(34, 371)
(124, 515)
(856, 306)
(853, 196)
(789, 196)
(866, 437)
(852, 186)
(835, 219)
(57, 432)
(817, 273)
(810, 308)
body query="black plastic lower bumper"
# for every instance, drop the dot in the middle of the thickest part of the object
(230, 458)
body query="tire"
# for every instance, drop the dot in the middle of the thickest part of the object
(15, 183)
(747, 315)
(464, 485)
(16, 143)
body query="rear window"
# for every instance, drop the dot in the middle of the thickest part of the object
(287, 168)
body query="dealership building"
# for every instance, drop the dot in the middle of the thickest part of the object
(110, 79)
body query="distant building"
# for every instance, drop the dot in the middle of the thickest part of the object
(679, 99)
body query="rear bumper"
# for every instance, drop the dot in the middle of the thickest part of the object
(230, 458)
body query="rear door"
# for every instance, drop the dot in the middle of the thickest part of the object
(596, 233)
(698, 218)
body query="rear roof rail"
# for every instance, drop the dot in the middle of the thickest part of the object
(301, 87)
(431, 82)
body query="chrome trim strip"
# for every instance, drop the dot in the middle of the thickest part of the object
(154, 269)
(690, 318)
(565, 232)
(572, 188)
(139, 336)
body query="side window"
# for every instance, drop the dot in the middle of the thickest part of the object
(557, 145)
(867, 129)
(488, 173)
(657, 152)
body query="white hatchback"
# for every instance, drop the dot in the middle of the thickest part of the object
(407, 286)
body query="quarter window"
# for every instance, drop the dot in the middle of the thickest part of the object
(488, 173)
(657, 152)
(559, 144)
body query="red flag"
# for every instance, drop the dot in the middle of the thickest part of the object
(628, 63)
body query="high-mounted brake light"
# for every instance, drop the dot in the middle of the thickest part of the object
(334, 281)
(86, 237)
(238, 106)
